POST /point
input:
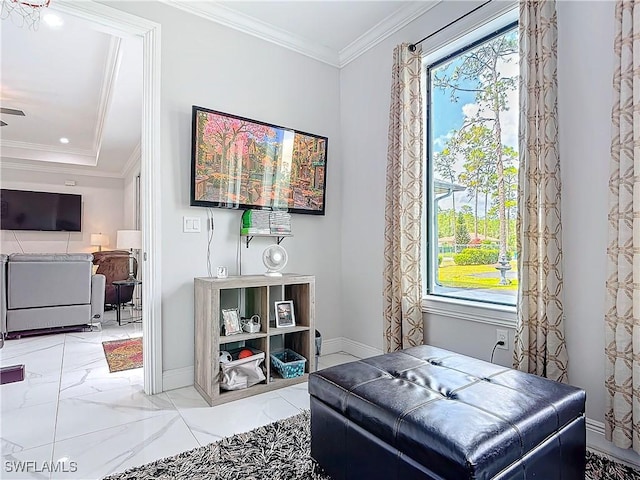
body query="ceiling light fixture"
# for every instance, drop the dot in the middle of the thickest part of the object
(64, 140)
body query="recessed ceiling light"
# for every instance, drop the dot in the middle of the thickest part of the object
(54, 21)
(64, 140)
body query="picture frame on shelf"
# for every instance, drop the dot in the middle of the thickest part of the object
(285, 316)
(231, 319)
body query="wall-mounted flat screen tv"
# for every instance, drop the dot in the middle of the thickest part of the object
(241, 163)
(43, 211)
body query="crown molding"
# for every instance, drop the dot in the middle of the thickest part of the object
(384, 29)
(46, 154)
(246, 24)
(112, 66)
(11, 165)
(238, 21)
(45, 148)
(133, 161)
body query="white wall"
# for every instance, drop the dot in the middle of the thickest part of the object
(585, 63)
(130, 212)
(101, 211)
(209, 65)
(585, 41)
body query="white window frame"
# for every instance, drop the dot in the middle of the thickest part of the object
(488, 19)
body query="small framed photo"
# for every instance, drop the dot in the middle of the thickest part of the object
(231, 319)
(284, 314)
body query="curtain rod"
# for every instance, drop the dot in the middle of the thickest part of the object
(412, 47)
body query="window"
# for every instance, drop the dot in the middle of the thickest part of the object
(472, 168)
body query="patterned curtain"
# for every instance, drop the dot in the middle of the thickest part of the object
(622, 311)
(540, 345)
(403, 205)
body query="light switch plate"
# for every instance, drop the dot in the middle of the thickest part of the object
(191, 225)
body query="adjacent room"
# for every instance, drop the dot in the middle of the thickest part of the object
(318, 240)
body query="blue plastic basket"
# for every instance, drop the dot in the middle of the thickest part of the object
(288, 363)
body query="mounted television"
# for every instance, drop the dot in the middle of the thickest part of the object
(43, 211)
(242, 163)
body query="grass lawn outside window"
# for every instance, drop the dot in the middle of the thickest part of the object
(475, 276)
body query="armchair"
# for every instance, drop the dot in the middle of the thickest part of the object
(114, 265)
(45, 291)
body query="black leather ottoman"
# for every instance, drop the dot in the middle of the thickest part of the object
(429, 413)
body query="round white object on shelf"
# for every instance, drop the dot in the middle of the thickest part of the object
(225, 357)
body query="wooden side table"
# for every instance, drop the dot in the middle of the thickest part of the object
(123, 283)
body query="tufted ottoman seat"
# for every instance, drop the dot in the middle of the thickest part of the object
(429, 413)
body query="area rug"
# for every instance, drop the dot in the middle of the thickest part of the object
(123, 354)
(280, 451)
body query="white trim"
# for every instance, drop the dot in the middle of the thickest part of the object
(251, 26)
(358, 349)
(111, 68)
(478, 24)
(177, 378)
(244, 23)
(346, 345)
(491, 314)
(132, 162)
(390, 25)
(50, 156)
(597, 442)
(46, 148)
(126, 23)
(50, 168)
(151, 200)
(331, 345)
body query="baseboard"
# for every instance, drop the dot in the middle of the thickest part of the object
(358, 349)
(332, 345)
(597, 443)
(183, 377)
(177, 378)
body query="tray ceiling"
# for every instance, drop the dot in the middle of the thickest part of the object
(72, 81)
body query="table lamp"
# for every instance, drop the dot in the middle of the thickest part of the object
(131, 240)
(99, 240)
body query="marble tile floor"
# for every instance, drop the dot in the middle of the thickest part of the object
(72, 416)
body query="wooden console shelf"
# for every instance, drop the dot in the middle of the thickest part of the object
(251, 295)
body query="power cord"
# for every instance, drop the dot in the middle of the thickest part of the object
(498, 343)
(210, 228)
(239, 250)
(17, 241)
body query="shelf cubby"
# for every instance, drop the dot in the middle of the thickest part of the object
(251, 295)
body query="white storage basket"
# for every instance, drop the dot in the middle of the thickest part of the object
(242, 373)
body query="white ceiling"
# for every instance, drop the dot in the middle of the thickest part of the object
(330, 24)
(75, 81)
(332, 31)
(83, 82)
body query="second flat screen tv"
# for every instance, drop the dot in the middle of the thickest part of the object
(241, 163)
(40, 211)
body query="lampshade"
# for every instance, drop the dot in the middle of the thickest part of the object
(129, 239)
(99, 240)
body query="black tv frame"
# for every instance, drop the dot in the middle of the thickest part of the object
(243, 206)
(4, 206)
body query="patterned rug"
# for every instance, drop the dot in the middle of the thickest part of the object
(123, 354)
(280, 451)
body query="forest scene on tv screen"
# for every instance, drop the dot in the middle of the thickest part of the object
(242, 163)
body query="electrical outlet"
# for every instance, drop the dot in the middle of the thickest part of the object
(502, 336)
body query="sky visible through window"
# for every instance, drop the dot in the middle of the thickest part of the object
(473, 132)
